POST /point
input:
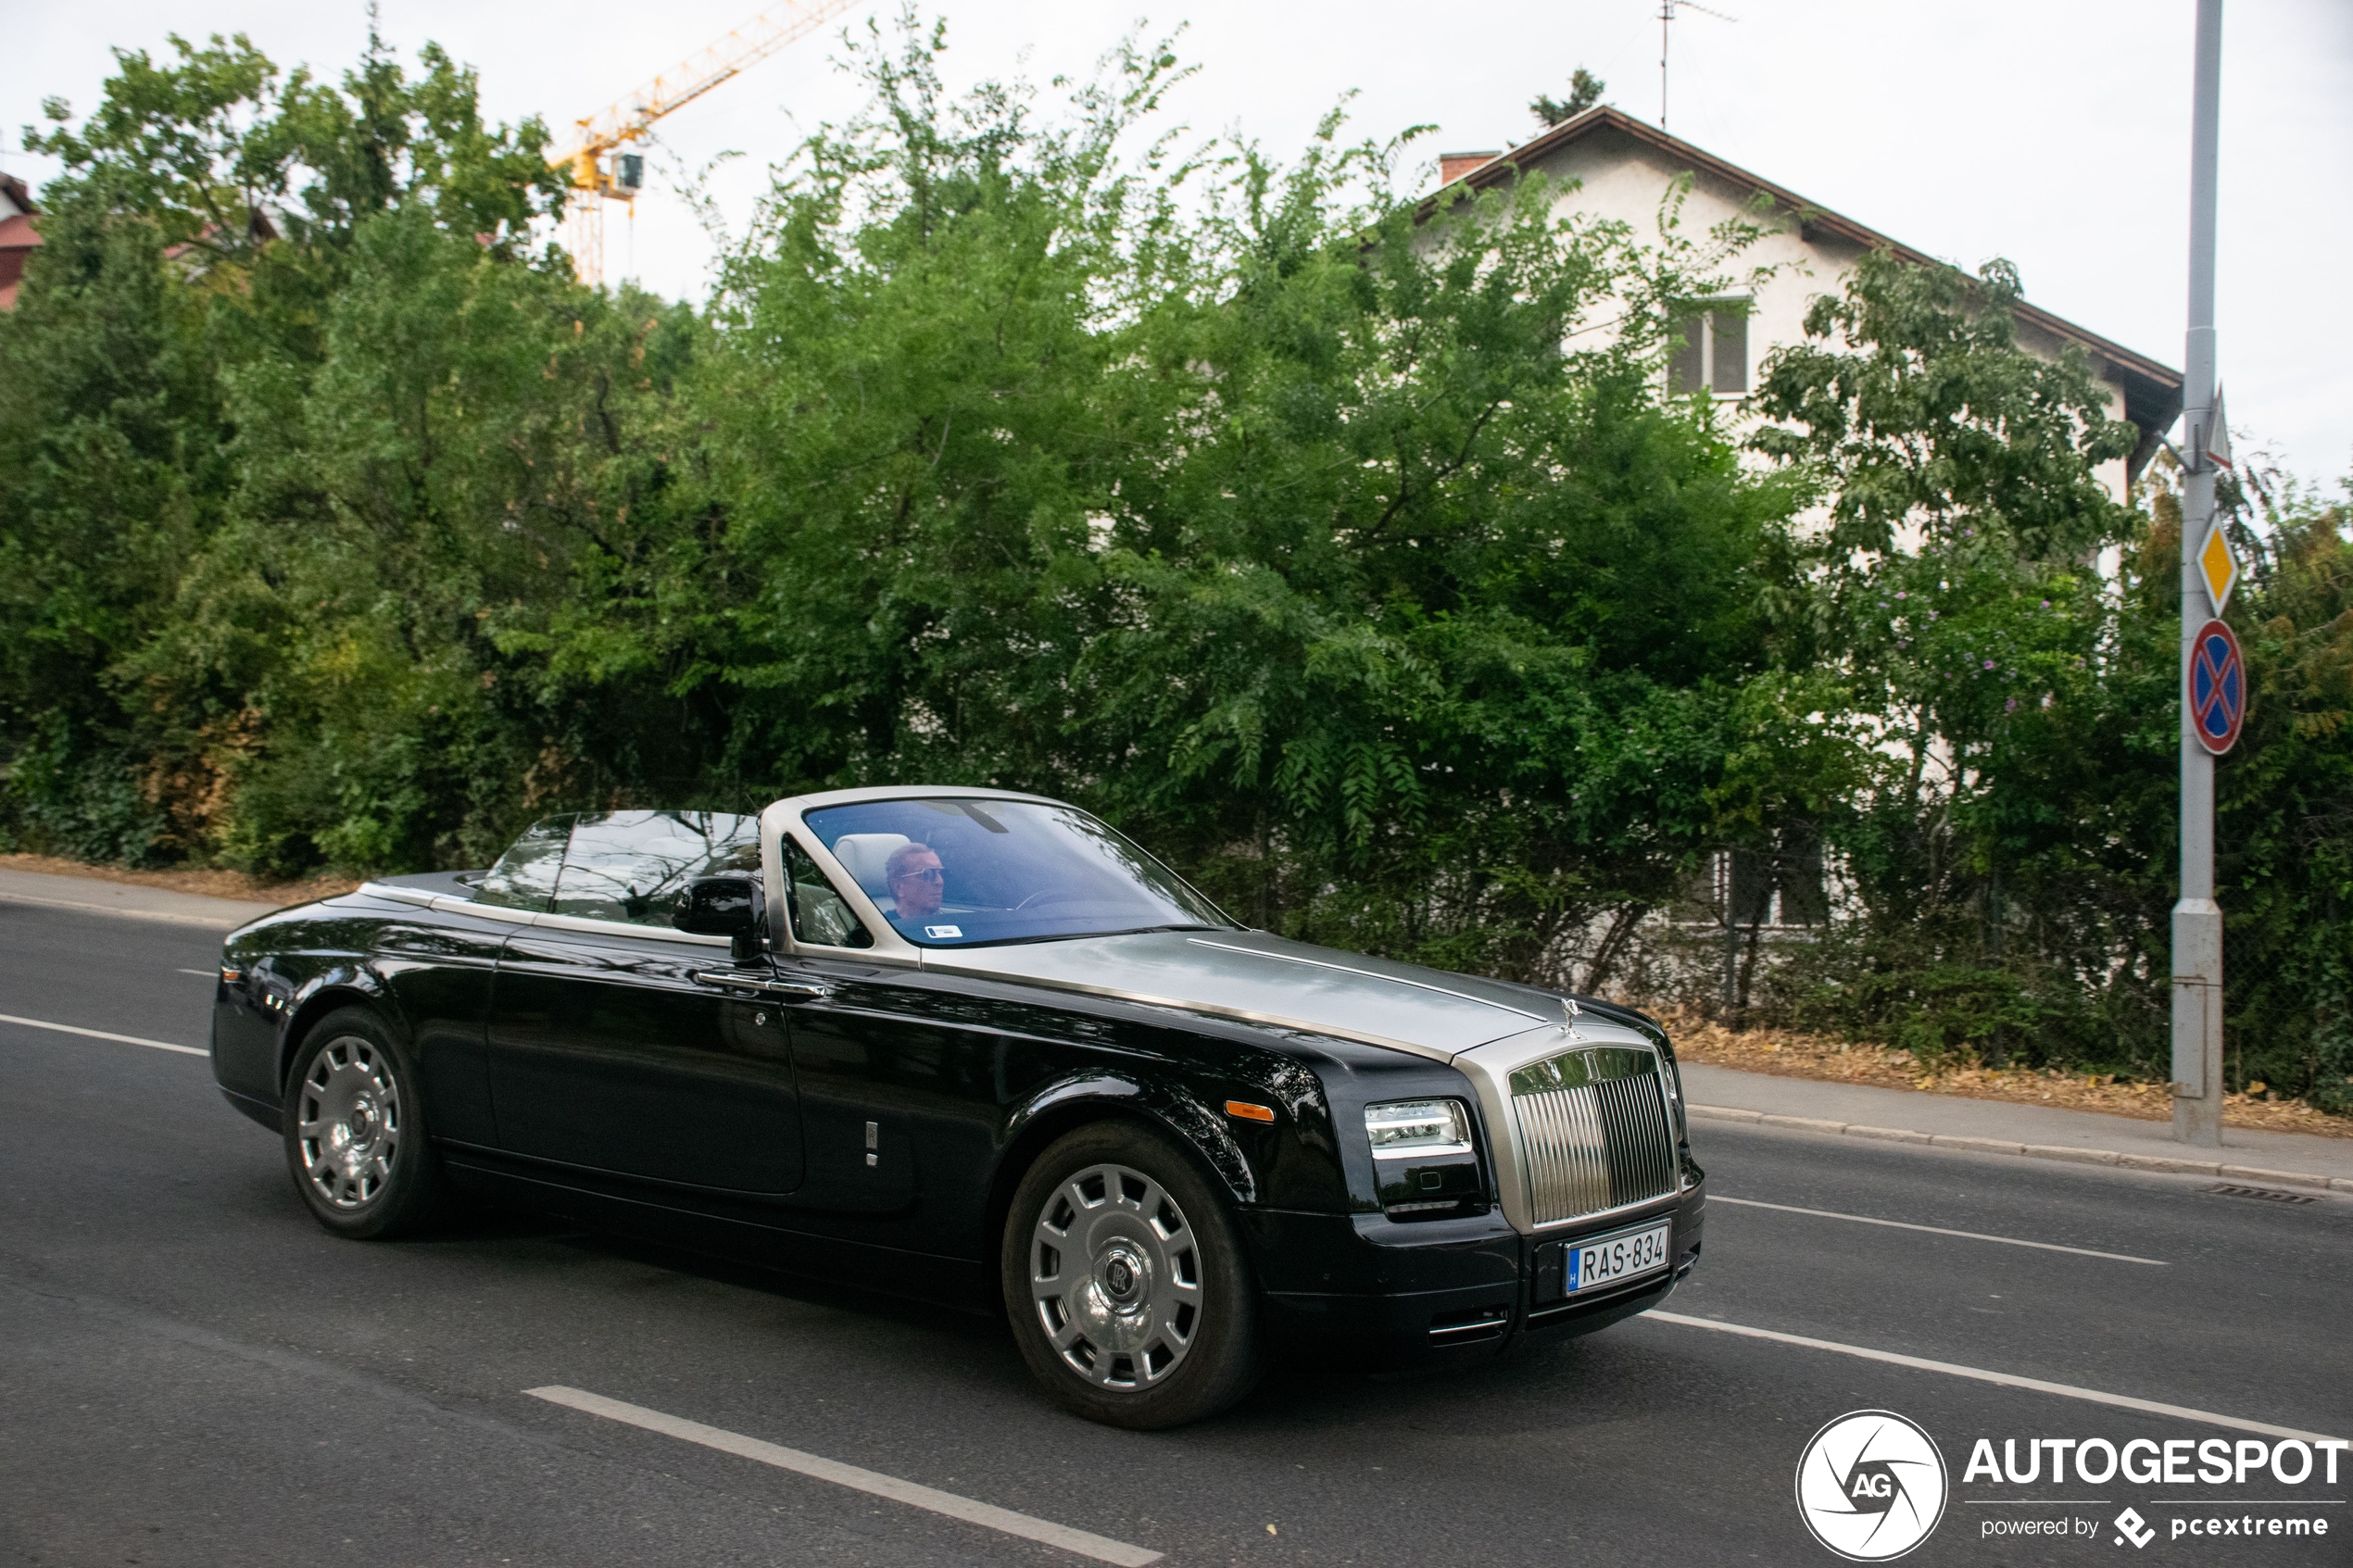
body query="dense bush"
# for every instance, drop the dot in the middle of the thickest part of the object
(1254, 506)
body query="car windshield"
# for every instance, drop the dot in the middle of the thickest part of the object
(957, 873)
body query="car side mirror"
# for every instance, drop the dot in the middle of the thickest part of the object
(729, 904)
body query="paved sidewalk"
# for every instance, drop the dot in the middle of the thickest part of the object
(2035, 1131)
(91, 895)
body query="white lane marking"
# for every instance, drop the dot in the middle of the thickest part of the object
(2006, 1379)
(1940, 1230)
(199, 973)
(102, 1034)
(1101, 1547)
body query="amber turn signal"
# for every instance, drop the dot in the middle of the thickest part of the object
(1242, 1110)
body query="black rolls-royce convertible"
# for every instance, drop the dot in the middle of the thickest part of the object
(978, 1047)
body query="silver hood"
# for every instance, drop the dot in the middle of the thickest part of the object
(1266, 979)
(1487, 1030)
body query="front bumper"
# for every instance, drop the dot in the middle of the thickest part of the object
(1365, 1290)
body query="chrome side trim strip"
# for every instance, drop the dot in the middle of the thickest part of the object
(448, 904)
(588, 927)
(400, 894)
(486, 911)
(1369, 974)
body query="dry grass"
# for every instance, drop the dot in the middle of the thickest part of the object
(212, 884)
(1793, 1055)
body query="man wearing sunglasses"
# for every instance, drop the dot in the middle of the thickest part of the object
(917, 881)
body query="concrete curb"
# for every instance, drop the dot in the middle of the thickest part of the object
(209, 921)
(133, 901)
(2030, 1150)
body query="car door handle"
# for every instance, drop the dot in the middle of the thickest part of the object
(758, 986)
(801, 990)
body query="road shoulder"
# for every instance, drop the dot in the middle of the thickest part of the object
(92, 895)
(1905, 1117)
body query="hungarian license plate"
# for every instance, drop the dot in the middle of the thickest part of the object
(1612, 1259)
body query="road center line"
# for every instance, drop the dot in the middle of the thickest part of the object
(102, 1034)
(1101, 1547)
(2006, 1379)
(1940, 1230)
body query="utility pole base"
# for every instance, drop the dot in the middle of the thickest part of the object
(2197, 1022)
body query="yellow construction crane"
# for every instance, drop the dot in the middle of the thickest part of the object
(601, 171)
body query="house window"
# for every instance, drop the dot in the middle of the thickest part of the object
(1714, 353)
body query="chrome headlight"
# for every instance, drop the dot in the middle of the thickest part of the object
(1402, 1129)
(1424, 1161)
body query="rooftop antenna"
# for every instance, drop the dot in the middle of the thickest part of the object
(1665, 19)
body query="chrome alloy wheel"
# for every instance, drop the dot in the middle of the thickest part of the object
(348, 1121)
(1116, 1278)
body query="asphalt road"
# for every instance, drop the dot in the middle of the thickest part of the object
(192, 1371)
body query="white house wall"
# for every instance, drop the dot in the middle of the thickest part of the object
(1621, 178)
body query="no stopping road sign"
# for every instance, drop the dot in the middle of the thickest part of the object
(2218, 687)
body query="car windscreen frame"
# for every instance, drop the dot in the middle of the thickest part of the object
(788, 817)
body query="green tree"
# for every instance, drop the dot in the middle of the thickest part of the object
(1282, 530)
(1436, 625)
(2285, 796)
(189, 333)
(2000, 857)
(1347, 547)
(1585, 90)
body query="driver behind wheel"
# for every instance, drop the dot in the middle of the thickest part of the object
(916, 880)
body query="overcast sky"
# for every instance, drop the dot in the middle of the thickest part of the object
(2051, 131)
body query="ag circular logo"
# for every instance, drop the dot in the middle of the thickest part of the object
(1871, 1486)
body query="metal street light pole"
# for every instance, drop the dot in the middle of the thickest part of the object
(2197, 919)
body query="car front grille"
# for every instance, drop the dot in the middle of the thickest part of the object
(1593, 1122)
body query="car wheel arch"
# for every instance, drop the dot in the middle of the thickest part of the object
(327, 1000)
(1066, 1108)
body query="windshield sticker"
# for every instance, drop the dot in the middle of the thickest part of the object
(943, 933)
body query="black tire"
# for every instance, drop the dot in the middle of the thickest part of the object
(1150, 1266)
(357, 1143)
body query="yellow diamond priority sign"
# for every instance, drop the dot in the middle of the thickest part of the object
(2218, 567)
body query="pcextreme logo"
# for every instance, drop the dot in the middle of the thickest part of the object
(2130, 1527)
(1871, 1486)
